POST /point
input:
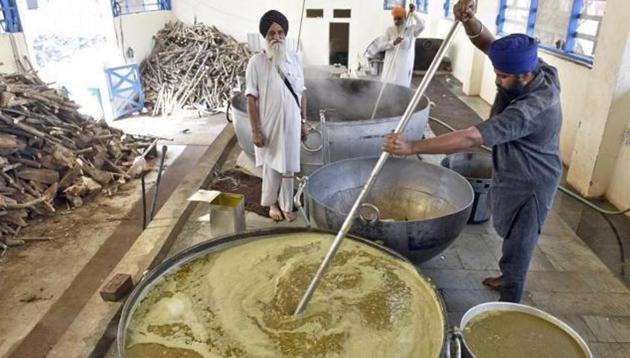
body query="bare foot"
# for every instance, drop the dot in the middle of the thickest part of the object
(494, 283)
(275, 213)
(289, 216)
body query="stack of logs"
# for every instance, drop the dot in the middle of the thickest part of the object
(191, 66)
(51, 155)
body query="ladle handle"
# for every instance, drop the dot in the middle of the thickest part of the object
(347, 224)
(297, 199)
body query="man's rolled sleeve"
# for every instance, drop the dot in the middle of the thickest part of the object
(251, 79)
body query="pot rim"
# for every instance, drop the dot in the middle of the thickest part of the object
(230, 240)
(518, 307)
(380, 222)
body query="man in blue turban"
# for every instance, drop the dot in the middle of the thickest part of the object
(524, 133)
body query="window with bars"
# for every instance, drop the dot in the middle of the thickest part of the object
(125, 7)
(9, 18)
(587, 27)
(516, 16)
(566, 27)
(421, 5)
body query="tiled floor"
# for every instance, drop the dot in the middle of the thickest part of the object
(565, 279)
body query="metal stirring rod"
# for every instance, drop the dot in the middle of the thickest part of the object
(424, 84)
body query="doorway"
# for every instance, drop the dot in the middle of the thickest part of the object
(339, 40)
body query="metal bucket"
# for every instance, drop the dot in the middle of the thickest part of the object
(202, 249)
(477, 169)
(339, 110)
(515, 307)
(227, 214)
(415, 208)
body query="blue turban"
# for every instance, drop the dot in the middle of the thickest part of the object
(514, 54)
(269, 18)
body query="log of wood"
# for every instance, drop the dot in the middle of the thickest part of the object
(8, 141)
(83, 186)
(101, 176)
(15, 217)
(45, 176)
(191, 66)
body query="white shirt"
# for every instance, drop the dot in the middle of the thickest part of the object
(278, 113)
(399, 70)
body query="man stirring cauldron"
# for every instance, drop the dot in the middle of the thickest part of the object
(399, 44)
(276, 105)
(523, 131)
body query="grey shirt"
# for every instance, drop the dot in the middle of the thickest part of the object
(525, 137)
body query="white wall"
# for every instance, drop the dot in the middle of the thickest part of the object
(368, 20)
(138, 31)
(590, 97)
(9, 42)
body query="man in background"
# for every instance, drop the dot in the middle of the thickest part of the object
(399, 44)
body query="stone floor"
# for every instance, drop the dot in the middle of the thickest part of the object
(566, 279)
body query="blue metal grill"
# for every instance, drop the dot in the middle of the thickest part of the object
(10, 21)
(125, 89)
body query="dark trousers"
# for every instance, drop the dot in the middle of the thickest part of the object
(518, 248)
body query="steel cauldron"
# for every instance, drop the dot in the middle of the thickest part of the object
(415, 208)
(201, 251)
(339, 111)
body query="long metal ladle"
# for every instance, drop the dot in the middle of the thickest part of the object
(377, 168)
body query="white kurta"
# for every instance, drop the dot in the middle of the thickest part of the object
(399, 69)
(278, 113)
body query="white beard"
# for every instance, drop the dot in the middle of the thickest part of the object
(277, 51)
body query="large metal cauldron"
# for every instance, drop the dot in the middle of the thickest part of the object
(172, 264)
(421, 207)
(340, 111)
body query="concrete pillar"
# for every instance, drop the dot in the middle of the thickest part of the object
(601, 130)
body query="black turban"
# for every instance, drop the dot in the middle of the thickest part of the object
(269, 18)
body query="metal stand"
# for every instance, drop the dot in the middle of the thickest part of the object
(157, 184)
(144, 202)
(379, 165)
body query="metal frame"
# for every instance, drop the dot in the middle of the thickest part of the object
(121, 7)
(388, 5)
(569, 44)
(531, 20)
(447, 9)
(502, 17)
(11, 17)
(125, 89)
(425, 6)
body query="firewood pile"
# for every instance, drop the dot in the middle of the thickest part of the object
(52, 156)
(191, 66)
